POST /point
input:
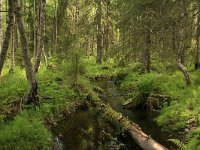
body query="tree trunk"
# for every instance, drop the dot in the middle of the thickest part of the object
(107, 26)
(41, 26)
(62, 6)
(55, 29)
(7, 37)
(35, 28)
(197, 61)
(1, 31)
(181, 67)
(16, 39)
(99, 33)
(148, 55)
(181, 50)
(183, 34)
(12, 54)
(115, 118)
(32, 95)
(92, 46)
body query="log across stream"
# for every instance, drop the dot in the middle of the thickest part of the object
(86, 130)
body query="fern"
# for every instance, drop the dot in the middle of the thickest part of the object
(178, 143)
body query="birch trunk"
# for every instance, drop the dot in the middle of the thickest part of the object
(181, 50)
(41, 28)
(32, 95)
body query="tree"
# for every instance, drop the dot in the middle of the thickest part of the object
(41, 30)
(197, 50)
(14, 43)
(32, 95)
(7, 37)
(99, 33)
(181, 50)
(1, 30)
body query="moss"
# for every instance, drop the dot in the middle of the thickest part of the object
(181, 112)
(115, 118)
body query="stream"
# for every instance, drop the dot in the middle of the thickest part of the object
(87, 131)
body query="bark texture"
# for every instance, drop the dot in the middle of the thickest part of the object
(55, 29)
(1, 32)
(197, 52)
(12, 53)
(32, 95)
(181, 67)
(181, 50)
(41, 29)
(186, 74)
(115, 118)
(99, 33)
(7, 37)
(148, 53)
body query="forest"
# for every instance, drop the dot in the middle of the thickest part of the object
(99, 74)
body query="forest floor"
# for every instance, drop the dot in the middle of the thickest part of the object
(61, 93)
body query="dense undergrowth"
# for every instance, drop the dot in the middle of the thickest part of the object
(61, 85)
(23, 127)
(106, 69)
(179, 110)
(28, 125)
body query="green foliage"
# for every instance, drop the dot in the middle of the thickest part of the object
(192, 142)
(54, 85)
(106, 69)
(186, 107)
(146, 83)
(25, 133)
(169, 84)
(195, 77)
(13, 86)
(179, 144)
(83, 89)
(140, 86)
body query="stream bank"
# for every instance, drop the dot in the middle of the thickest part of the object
(87, 131)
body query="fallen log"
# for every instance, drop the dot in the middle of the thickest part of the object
(117, 119)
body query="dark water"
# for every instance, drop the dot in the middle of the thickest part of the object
(144, 118)
(86, 131)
